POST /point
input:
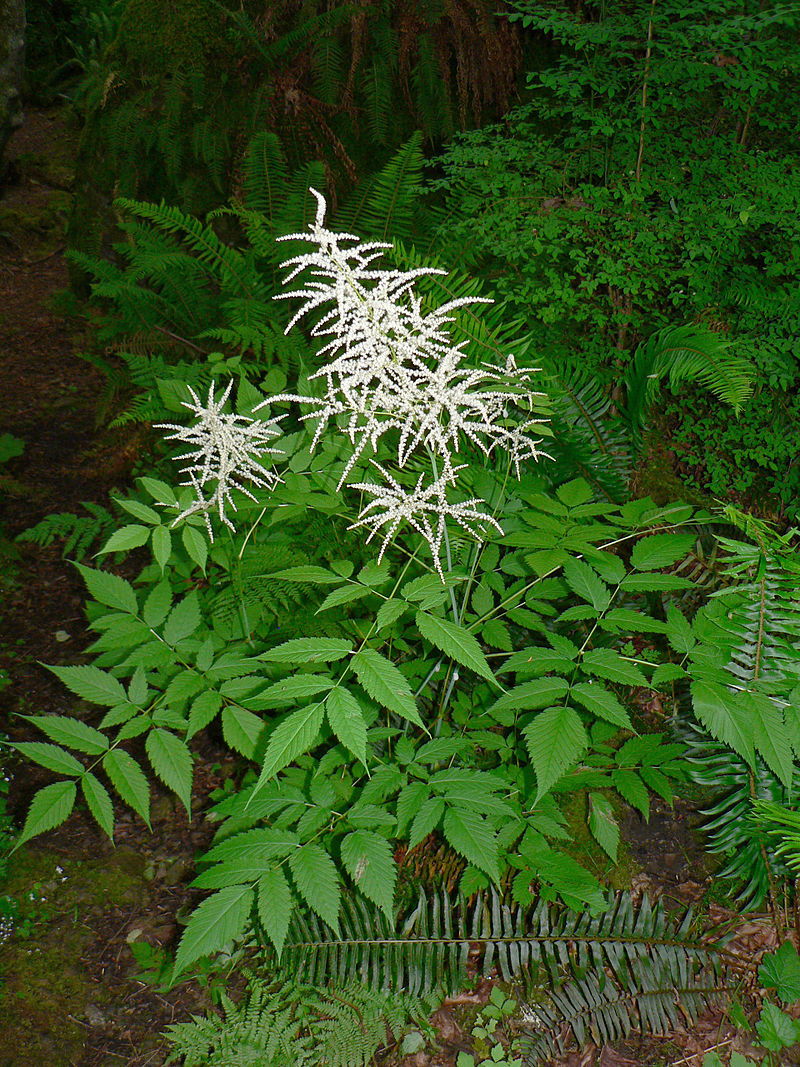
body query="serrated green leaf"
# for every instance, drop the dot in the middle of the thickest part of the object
(99, 803)
(140, 511)
(71, 732)
(385, 684)
(217, 922)
(455, 641)
(110, 590)
(183, 620)
(569, 879)
(50, 756)
(137, 687)
(661, 550)
(666, 672)
(203, 711)
(196, 546)
(126, 776)
(254, 848)
(409, 802)
(604, 663)
(347, 593)
(368, 859)
(157, 605)
(290, 691)
(158, 490)
(781, 971)
(537, 661)
(242, 730)
(161, 541)
(426, 819)
(49, 808)
(631, 788)
(347, 721)
(586, 584)
(308, 650)
(314, 575)
(294, 736)
(556, 739)
(679, 630)
(389, 612)
(92, 684)
(172, 762)
(655, 583)
(599, 701)
(495, 634)
(603, 825)
(126, 538)
(776, 1029)
(472, 837)
(317, 882)
(770, 735)
(537, 693)
(722, 714)
(636, 622)
(274, 902)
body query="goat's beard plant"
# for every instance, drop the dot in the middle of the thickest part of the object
(395, 385)
(334, 699)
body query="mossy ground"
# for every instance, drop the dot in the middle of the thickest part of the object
(45, 985)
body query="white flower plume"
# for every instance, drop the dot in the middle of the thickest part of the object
(226, 449)
(393, 369)
(394, 506)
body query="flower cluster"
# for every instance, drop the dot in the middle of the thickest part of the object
(227, 451)
(393, 370)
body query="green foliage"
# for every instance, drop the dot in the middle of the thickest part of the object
(743, 648)
(775, 1029)
(431, 940)
(180, 93)
(183, 306)
(78, 532)
(603, 220)
(281, 1023)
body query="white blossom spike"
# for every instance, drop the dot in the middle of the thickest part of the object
(227, 451)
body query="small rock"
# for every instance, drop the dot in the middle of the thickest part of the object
(175, 872)
(94, 1016)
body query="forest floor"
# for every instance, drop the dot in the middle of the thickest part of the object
(79, 974)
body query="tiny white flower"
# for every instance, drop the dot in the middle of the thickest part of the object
(225, 450)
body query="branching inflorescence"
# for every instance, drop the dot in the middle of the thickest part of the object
(227, 451)
(393, 372)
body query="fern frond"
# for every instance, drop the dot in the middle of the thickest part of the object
(288, 1024)
(729, 822)
(684, 353)
(78, 532)
(588, 442)
(228, 264)
(594, 1008)
(388, 202)
(265, 175)
(428, 948)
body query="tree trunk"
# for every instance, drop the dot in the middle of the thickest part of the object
(12, 66)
